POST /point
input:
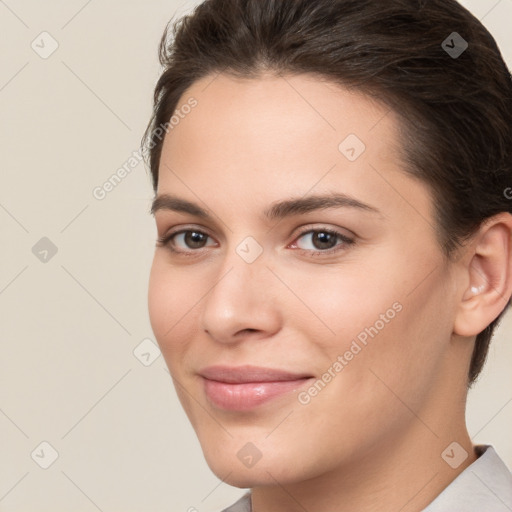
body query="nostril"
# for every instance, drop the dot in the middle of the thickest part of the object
(244, 331)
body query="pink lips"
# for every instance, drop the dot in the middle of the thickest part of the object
(242, 388)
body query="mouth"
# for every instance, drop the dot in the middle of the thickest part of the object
(243, 388)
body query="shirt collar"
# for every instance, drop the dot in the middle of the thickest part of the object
(486, 484)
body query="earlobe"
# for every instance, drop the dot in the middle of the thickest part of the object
(489, 270)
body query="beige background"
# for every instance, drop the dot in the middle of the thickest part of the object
(70, 325)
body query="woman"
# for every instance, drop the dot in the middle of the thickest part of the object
(334, 247)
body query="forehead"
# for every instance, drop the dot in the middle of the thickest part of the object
(254, 141)
(273, 101)
(275, 118)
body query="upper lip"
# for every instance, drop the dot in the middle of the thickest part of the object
(248, 373)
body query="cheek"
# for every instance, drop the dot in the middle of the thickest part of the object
(334, 306)
(397, 347)
(390, 319)
(170, 303)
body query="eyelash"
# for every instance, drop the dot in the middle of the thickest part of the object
(166, 241)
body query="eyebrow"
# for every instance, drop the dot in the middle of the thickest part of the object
(278, 210)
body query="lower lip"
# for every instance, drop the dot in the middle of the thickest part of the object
(246, 396)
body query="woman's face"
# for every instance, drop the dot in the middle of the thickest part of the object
(352, 298)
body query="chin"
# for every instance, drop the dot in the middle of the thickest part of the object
(232, 471)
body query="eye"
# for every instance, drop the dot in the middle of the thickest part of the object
(186, 240)
(323, 241)
(316, 242)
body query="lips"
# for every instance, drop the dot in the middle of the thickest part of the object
(244, 387)
(248, 373)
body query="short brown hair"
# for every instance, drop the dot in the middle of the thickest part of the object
(455, 107)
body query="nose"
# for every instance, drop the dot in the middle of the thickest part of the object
(241, 301)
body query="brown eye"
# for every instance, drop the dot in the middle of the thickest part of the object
(194, 239)
(323, 241)
(184, 241)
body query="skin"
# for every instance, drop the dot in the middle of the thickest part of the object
(372, 439)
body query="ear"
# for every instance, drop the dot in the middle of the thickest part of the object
(488, 280)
